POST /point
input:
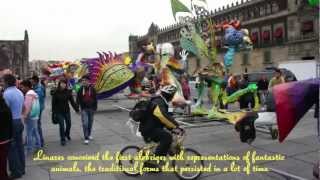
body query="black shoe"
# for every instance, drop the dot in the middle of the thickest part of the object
(69, 138)
(63, 143)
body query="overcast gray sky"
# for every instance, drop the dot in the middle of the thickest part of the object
(72, 29)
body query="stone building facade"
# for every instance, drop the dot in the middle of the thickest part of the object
(281, 30)
(15, 56)
(35, 66)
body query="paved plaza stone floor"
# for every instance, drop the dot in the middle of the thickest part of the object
(301, 149)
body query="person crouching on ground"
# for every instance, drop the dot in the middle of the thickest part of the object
(86, 98)
(30, 116)
(60, 107)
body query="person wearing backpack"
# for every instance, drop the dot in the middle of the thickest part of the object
(86, 98)
(41, 92)
(30, 116)
(157, 118)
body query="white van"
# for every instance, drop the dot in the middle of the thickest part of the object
(303, 69)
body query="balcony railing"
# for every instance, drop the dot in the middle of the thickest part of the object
(309, 36)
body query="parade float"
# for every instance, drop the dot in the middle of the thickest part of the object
(198, 37)
(140, 67)
(64, 69)
(291, 100)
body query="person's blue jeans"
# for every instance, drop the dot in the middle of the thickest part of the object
(40, 130)
(64, 125)
(17, 162)
(33, 138)
(87, 122)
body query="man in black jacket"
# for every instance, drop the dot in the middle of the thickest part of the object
(158, 117)
(86, 98)
(263, 89)
(248, 98)
(61, 96)
(6, 133)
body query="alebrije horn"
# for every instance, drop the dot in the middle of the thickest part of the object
(113, 59)
(100, 56)
(111, 55)
(107, 57)
(104, 57)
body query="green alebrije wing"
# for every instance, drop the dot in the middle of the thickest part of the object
(213, 49)
(177, 6)
(188, 45)
(202, 49)
(213, 54)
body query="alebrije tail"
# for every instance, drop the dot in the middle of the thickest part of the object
(228, 57)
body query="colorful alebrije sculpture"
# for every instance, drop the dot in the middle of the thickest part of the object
(198, 37)
(139, 68)
(66, 69)
(236, 40)
(314, 3)
(167, 68)
(108, 74)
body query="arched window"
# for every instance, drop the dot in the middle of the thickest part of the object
(278, 33)
(255, 37)
(266, 36)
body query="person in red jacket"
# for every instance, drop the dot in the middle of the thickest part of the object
(87, 99)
